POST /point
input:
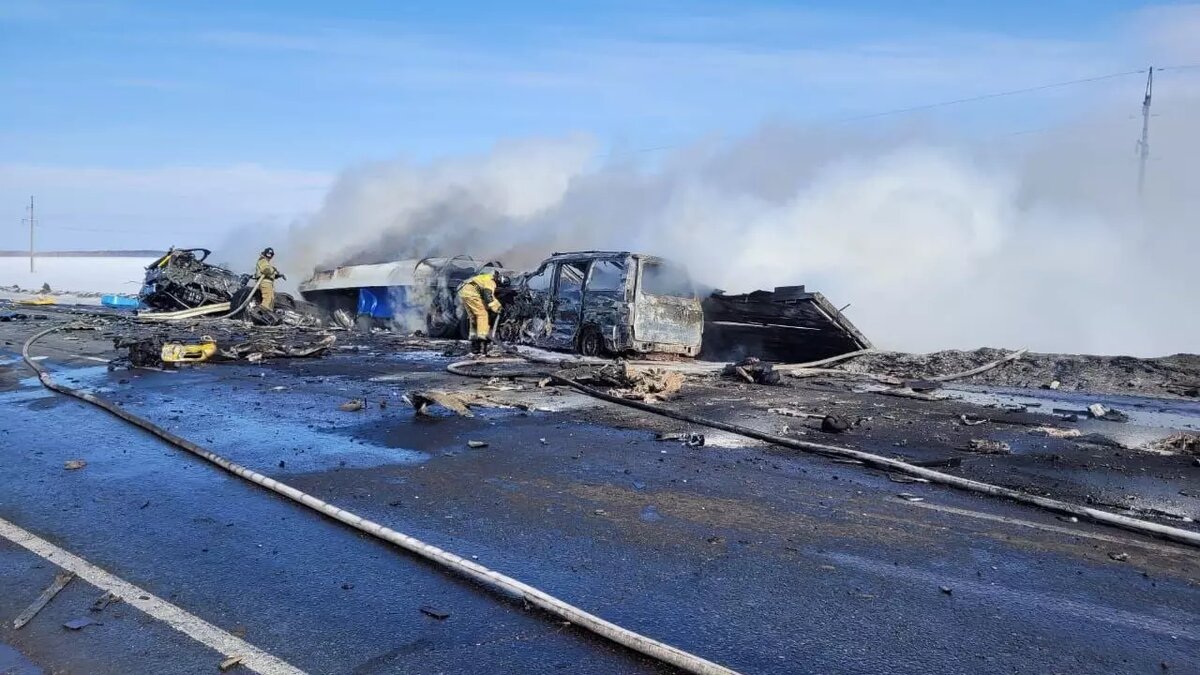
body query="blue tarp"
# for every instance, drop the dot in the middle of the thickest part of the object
(379, 301)
(119, 301)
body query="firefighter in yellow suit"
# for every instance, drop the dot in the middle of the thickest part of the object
(478, 297)
(266, 273)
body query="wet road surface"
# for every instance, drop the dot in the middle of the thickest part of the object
(762, 561)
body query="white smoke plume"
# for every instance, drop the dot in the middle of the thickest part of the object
(1037, 241)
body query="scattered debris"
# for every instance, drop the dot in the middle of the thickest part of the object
(60, 582)
(104, 601)
(81, 622)
(688, 438)
(430, 610)
(969, 421)
(1053, 385)
(910, 497)
(985, 446)
(476, 444)
(159, 350)
(1055, 432)
(421, 400)
(1175, 444)
(72, 464)
(753, 371)
(645, 384)
(832, 424)
(1101, 412)
(353, 405)
(1119, 557)
(947, 590)
(230, 662)
(788, 412)
(297, 345)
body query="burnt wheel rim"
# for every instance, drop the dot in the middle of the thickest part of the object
(589, 343)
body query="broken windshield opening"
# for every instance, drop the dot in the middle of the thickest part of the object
(662, 278)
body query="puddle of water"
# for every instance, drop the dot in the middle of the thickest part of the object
(1142, 411)
(422, 355)
(258, 436)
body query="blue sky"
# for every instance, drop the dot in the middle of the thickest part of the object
(123, 116)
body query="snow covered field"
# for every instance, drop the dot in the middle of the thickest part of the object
(97, 275)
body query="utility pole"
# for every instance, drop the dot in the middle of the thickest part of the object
(1144, 143)
(31, 222)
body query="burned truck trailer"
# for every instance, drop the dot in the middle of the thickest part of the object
(411, 294)
(604, 302)
(788, 325)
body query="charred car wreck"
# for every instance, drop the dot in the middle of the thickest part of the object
(604, 302)
(180, 279)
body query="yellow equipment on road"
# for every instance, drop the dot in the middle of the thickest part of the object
(180, 352)
(39, 300)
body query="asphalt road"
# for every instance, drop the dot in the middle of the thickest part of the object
(760, 560)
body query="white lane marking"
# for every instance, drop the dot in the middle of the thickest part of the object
(178, 618)
(1050, 528)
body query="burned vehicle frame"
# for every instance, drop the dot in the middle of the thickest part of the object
(409, 294)
(604, 302)
(181, 279)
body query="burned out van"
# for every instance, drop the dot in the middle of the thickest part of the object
(605, 302)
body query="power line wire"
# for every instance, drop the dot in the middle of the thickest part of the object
(941, 104)
(984, 97)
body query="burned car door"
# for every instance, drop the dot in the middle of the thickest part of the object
(567, 308)
(606, 298)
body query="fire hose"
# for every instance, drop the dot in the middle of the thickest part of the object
(491, 578)
(1133, 524)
